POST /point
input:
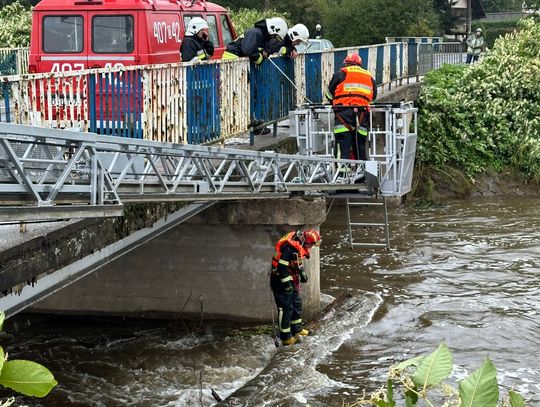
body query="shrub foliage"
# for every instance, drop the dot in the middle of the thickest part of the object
(485, 116)
(15, 23)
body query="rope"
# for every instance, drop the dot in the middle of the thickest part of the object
(289, 79)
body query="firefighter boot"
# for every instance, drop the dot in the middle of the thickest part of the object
(291, 341)
(303, 332)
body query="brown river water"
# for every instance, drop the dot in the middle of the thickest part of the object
(466, 272)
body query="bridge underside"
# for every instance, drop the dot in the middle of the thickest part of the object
(170, 260)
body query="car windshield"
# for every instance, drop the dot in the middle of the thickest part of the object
(314, 45)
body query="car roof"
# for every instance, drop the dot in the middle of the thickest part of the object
(102, 5)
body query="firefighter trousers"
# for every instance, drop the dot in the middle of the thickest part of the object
(289, 305)
(350, 146)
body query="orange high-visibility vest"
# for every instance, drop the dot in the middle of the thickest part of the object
(356, 89)
(287, 239)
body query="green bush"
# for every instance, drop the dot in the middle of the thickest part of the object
(495, 29)
(15, 25)
(485, 116)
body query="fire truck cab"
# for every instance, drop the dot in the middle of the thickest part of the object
(79, 34)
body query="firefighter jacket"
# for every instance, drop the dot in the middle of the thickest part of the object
(287, 264)
(252, 43)
(194, 48)
(352, 86)
(283, 48)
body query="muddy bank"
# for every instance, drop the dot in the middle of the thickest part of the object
(439, 183)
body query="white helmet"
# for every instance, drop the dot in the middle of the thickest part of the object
(276, 26)
(318, 27)
(195, 25)
(299, 32)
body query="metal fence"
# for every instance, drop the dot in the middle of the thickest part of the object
(186, 103)
(13, 61)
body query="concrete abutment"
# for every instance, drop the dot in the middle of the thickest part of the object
(216, 263)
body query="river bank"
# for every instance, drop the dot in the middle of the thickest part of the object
(436, 184)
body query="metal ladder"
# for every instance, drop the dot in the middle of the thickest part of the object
(368, 202)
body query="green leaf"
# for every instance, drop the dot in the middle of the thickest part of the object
(2, 357)
(390, 393)
(516, 399)
(480, 389)
(410, 362)
(411, 398)
(2, 318)
(27, 377)
(434, 368)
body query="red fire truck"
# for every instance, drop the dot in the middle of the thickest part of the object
(79, 34)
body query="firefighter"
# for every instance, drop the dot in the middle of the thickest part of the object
(196, 45)
(351, 90)
(258, 43)
(285, 278)
(296, 35)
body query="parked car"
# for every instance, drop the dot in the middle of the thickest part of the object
(315, 45)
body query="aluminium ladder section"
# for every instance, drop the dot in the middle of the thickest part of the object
(392, 142)
(365, 203)
(56, 174)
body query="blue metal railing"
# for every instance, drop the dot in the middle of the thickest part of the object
(194, 104)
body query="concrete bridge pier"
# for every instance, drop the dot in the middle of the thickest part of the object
(216, 263)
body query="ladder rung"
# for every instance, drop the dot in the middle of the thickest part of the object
(367, 224)
(370, 244)
(365, 203)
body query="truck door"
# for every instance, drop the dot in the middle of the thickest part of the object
(112, 39)
(63, 42)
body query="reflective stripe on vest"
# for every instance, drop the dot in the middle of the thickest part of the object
(356, 89)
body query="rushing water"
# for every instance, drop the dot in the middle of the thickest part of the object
(467, 273)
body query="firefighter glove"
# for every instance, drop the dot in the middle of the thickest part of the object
(303, 277)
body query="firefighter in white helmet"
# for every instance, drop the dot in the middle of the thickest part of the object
(296, 35)
(258, 43)
(196, 45)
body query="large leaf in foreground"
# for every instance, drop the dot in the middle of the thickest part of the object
(480, 389)
(27, 377)
(434, 368)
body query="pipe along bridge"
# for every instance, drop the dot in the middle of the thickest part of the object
(49, 174)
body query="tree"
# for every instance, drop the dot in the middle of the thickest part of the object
(493, 6)
(353, 22)
(15, 24)
(447, 19)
